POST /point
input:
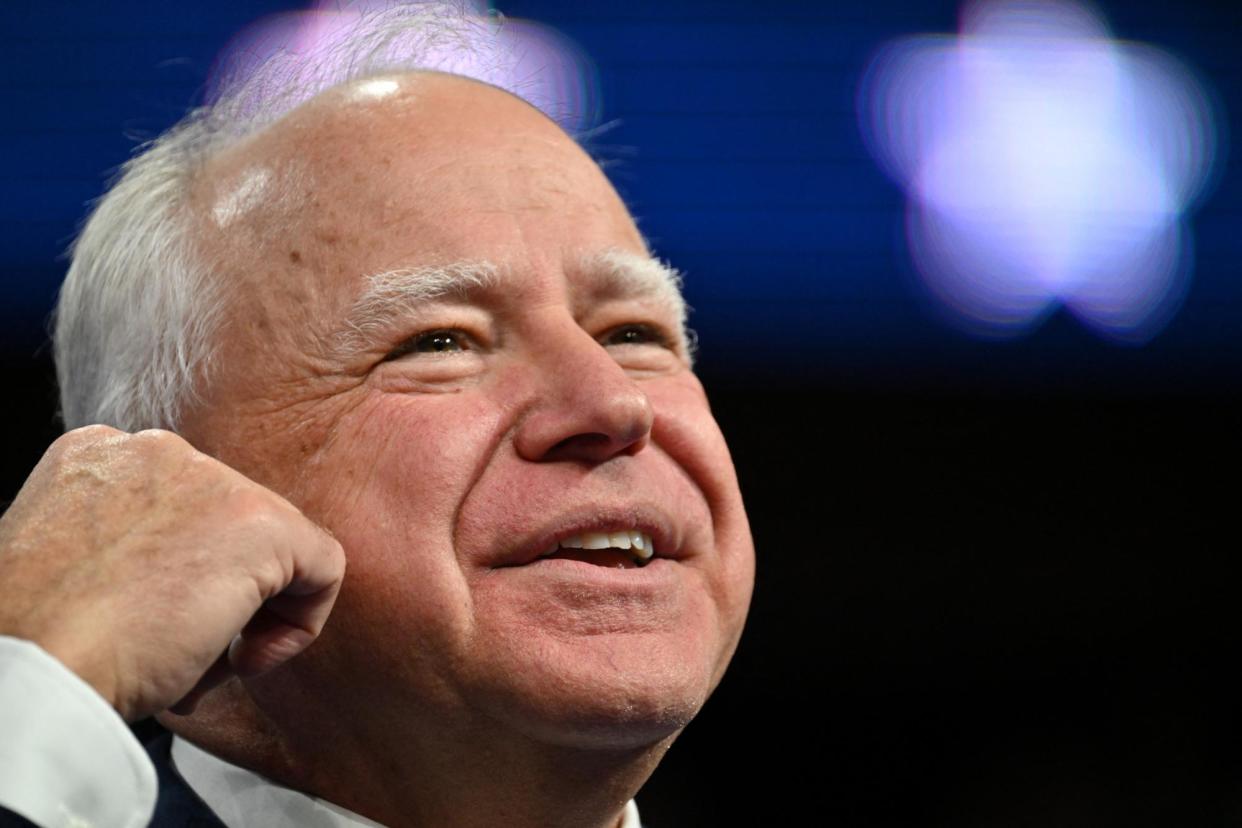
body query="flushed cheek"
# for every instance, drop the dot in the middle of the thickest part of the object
(686, 430)
(731, 592)
(402, 458)
(389, 487)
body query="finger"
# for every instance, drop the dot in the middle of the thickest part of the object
(318, 570)
(287, 623)
(267, 641)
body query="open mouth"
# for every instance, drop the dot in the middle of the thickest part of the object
(622, 549)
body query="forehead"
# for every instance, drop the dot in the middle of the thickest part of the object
(300, 219)
(441, 169)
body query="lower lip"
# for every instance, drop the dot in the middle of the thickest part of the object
(659, 572)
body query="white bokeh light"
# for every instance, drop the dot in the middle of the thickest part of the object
(1046, 165)
(529, 59)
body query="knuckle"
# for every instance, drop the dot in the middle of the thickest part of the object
(68, 448)
(256, 508)
(336, 554)
(91, 433)
(157, 439)
(80, 438)
(102, 453)
(248, 502)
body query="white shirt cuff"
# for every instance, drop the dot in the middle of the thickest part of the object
(66, 757)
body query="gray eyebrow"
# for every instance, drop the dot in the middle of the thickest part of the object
(393, 294)
(396, 293)
(627, 274)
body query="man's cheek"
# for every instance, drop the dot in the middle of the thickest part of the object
(685, 429)
(397, 447)
(389, 490)
(399, 468)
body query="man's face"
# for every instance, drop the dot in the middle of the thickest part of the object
(450, 442)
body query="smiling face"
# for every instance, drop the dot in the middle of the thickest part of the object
(452, 438)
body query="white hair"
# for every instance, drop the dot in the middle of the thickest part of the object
(140, 307)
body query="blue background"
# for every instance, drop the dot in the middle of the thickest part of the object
(735, 143)
(996, 580)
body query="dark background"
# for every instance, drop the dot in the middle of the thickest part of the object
(996, 583)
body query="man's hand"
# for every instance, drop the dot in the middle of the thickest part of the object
(154, 572)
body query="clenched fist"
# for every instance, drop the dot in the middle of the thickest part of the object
(154, 571)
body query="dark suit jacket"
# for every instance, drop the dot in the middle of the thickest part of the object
(177, 806)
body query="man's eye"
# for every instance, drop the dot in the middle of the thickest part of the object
(635, 335)
(432, 342)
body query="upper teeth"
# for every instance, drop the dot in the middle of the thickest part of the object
(638, 542)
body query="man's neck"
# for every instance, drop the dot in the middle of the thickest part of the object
(479, 776)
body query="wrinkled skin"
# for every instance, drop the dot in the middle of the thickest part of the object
(117, 539)
(458, 678)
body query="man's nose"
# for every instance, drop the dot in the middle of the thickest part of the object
(586, 408)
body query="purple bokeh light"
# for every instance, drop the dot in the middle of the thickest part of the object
(531, 60)
(1045, 165)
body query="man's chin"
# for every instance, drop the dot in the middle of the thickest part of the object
(602, 692)
(591, 725)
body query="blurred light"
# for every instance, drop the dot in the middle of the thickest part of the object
(1045, 165)
(533, 61)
